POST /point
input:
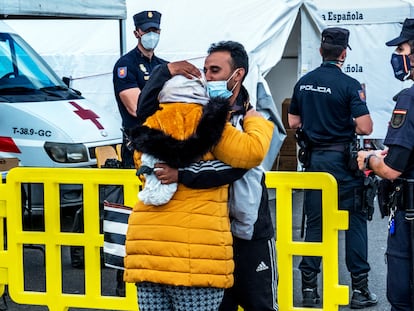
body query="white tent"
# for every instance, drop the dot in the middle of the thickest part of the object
(371, 24)
(281, 37)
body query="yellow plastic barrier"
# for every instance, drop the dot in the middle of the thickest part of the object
(4, 259)
(53, 239)
(333, 220)
(11, 260)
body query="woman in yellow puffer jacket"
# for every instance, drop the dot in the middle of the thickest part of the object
(184, 247)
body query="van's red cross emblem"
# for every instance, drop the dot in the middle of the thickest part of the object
(86, 114)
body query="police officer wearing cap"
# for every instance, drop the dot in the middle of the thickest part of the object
(130, 74)
(329, 108)
(396, 167)
(132, 71)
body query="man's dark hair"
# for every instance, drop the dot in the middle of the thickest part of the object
(238, 54)
(330, 52)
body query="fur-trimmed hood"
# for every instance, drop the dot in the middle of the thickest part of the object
(180, 153)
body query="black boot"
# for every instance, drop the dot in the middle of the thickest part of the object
(310, 294)
(361, 295)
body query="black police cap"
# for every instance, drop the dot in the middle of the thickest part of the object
(147, 19)
(336, 36)
(407, 33)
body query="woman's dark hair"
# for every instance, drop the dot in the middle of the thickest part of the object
(238, 54)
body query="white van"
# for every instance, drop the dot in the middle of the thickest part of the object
(43, 122)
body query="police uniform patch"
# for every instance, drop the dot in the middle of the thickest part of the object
(122, 72)
(398, 118)
(362, 96)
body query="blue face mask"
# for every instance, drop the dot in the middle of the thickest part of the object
(150, 40)
(401, 66)
(219, 88)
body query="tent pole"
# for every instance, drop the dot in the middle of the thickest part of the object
(122, 37)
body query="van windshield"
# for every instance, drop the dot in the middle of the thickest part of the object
(23, 72)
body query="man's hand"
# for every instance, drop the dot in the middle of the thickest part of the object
(184, 68)
(253, 113)
(361, 159)
(165, 174)
(362, 155)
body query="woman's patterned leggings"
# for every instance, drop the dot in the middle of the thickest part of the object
(161, 297)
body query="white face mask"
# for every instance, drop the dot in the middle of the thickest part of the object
(150, 40)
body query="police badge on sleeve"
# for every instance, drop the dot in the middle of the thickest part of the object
(122, 72)
(398, 118)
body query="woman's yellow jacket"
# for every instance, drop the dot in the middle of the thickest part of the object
(188, 240)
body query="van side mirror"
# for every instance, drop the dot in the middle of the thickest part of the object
(67, 80)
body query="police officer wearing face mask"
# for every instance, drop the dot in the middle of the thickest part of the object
(130, 74)
(132, 71)
(329, 107)
(396, 167)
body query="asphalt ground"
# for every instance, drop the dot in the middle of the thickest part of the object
(73, 277)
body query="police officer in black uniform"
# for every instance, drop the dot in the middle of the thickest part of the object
(132, 71)
(129, 76)
(329, 107)
(396, 165)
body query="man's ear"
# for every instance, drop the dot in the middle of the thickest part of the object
(136, 34)
(240, 74)
(342, 56)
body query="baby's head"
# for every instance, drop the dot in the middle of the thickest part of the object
(179, 89)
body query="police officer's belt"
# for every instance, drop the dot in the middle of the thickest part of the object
(403, 185)
(330, 147)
